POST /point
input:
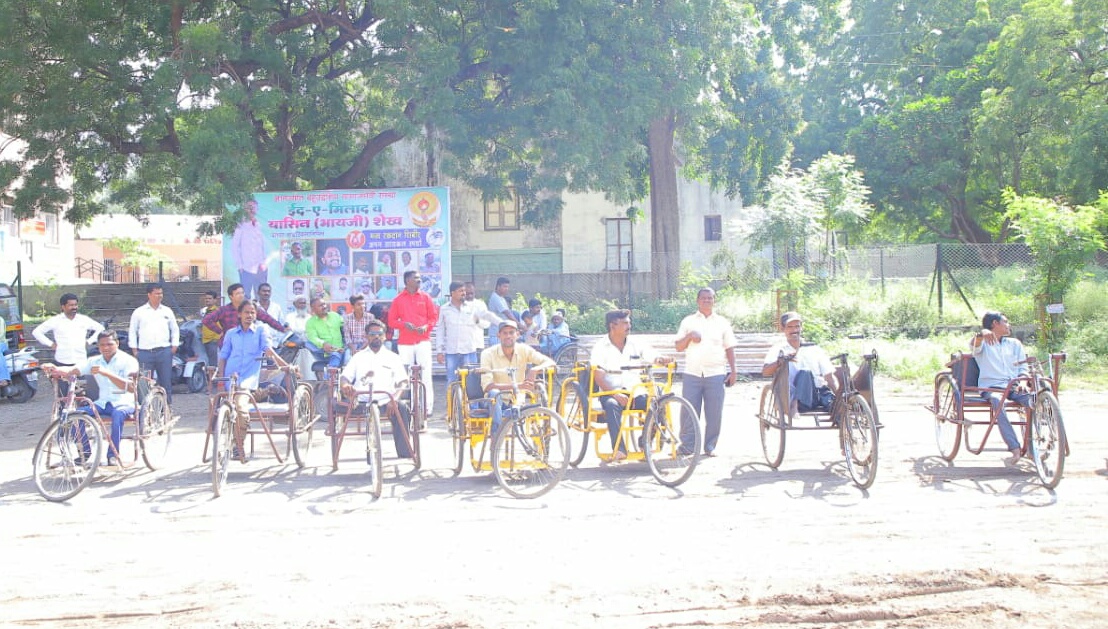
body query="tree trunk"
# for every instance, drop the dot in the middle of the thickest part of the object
(665, 214)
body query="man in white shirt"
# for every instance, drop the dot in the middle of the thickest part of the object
(486, 319)
(382, 370)
(458, 331)
(608, 357)
(811, 374)
(154, 337)
(1001, 358)
(297, 319)
(273, 309)
(112, 370)
(501, 306)
(73, 333)
(709, 345)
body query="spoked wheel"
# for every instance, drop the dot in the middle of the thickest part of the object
(337, 437)
(672, 440)
(419, 407)
(456, 422)
(574, 410)
(413, 435)
(859, 437)
(223, 442)
(155, 428)
(566, 359)
(303, 415)
(1048, 440)
(771, 425)
(531, 453)
(948, 431)
(67, 456)
(373, 449)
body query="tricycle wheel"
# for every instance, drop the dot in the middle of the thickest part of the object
(531, 453)
(859, 438)
(1048, 440)
(574, 409)
(67, 456)
(771, 425)
(948, 431)
(156, 430)
(672, 440)
(373, 449)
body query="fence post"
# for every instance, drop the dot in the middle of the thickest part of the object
(629, 305)
(18, 287)
(882, 252)
(939, 275)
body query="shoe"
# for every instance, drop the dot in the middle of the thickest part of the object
(112, 466)
(237, 453)
(617, 456)
(1012, 460)
(709, 454)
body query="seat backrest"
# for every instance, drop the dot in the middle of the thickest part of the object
(474, 390)
(966, 372)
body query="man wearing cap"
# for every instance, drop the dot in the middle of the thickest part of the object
(526, 361)
(811, 375)
(709, 346)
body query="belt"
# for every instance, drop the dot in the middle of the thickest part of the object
(153, 349)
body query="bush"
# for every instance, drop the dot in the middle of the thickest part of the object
(1087, 302)
(1088, 345)
(909, 316)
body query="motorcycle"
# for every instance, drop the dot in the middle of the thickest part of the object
(24, 367)
(191, 360)
(292, 349)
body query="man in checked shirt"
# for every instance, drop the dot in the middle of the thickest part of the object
(226, 317)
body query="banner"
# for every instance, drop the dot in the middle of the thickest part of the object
(338, 243)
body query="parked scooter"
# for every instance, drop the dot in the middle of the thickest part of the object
(191, 360)
(24, 367)
(291, 348)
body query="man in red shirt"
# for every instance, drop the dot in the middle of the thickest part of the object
(413, 313)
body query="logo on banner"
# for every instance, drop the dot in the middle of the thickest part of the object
(424, 209)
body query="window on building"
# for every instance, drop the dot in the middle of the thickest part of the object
(713, 227)
(52, 235)
(619, 244)
(502, 214)
(8, 223)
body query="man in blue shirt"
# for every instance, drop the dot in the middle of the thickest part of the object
(241, 353)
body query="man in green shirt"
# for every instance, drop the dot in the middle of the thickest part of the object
(297, 264)
(324, 332)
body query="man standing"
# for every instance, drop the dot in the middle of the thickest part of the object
(709, 346)
(242, 346)
(386, 372)
(297, 264)
(226, 317)
(500, 306)
(324, 332)
(810, 365)
(298, 318)
(526, 361)
(609, 356)
(154, 336)
(353, 326)
(273, 309)
(485, 317)
(1001, 358)
(210, 338)
(414, 314)
(248, 250)
(73, 333)
(112, 370)
(457, 325)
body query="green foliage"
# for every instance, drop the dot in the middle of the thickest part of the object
(1063, 240)
(137, 254)
(910, 316)
(1087, 302)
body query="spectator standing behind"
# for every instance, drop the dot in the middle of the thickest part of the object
(458, 328)
(500, 306)
(709, 346)
(485, 317)
(210, 338)
(508, 353)
(297, 319)
(73, 332)
(248, 251)
(154, 336)
(386, 372)
(226, 317)
(112, 370)
(810, 364)
(998, 354)
(266, 304)
(354, 327)
(297, 264)
(534, 306)
(414, 314)
(557, 334)
(324, 332)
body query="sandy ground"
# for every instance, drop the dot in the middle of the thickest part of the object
(931, 544)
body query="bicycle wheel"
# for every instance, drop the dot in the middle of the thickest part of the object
(672, 440)
(303, 416)
(413, 436)
(859, 438)
(531, 452)
(223, 442)
(67, 456)
(155, 428)
(948, 432)
(456, 418)
(1048, 440)
(574, 410)
(419, 407)
(566, 359)
(373, 449)
(771, 425)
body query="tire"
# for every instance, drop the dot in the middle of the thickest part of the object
(23, 389)
(157, 429)
(859, 438)
(531, 452)
(373, 450)
(336, 438)
(566, 359)
(223, 442)
(1048, 440)
(672, 440)
(413, 435)
(574, 410)
(456, 422)
(303, 409)
(771, 425)
(62, 466)
(948, 431)
(419, 408)
(198, 381)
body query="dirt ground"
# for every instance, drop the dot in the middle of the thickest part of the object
(972, 544)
